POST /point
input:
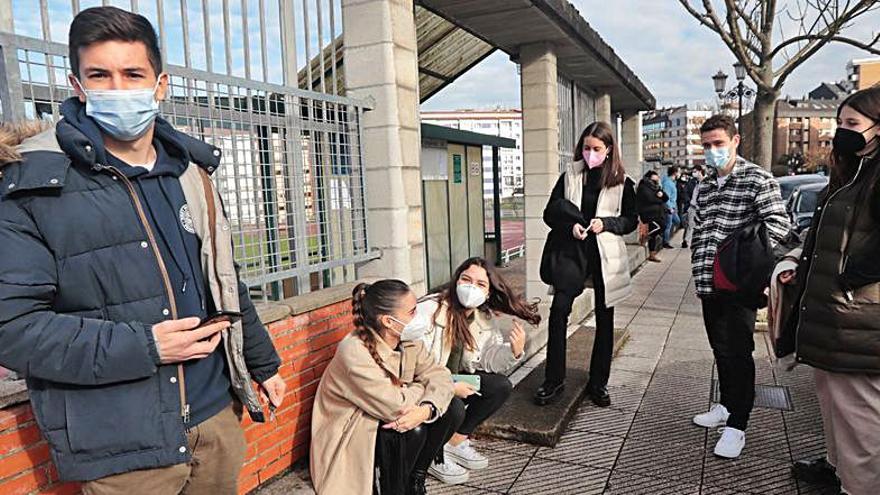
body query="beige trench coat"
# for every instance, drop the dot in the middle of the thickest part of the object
(355, 394)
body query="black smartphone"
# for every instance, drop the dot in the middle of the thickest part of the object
(230, 316)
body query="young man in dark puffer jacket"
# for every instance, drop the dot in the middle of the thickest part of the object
(110, 262)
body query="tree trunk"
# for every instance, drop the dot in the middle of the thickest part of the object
(763, 124)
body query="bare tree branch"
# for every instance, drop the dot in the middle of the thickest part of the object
(698, 16)
(747, 18)
(869, 46)
(820, 39)
(741, 44)
(710, 19)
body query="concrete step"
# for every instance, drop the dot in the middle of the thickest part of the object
(523, 421)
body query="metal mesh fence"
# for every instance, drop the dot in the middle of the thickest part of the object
(566, 121)
(291, 177)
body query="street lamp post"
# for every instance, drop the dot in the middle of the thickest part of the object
(738, 92)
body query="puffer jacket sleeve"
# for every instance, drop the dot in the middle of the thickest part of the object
(260, 355)
(497, 355)
(38, 342)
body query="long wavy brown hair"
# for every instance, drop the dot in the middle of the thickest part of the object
(368, 303)
(613, 173)
(843, 166)
(502, 299)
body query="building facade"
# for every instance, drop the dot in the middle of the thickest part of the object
(864, 72)
(803, 132)
(671, 136)
(505, 123)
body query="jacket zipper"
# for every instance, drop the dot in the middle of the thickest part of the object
(166, 279)
(847, 293)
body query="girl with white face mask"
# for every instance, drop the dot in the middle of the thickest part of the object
(463, 334)
(384, 408)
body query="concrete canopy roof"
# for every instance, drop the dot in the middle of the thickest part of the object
(431, 131)
(581, 53)
(446, 51)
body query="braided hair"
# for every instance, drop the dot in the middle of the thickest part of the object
(368, 303)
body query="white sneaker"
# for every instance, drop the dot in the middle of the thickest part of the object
(717, 416)
(465, 455)
(731, 444)
(449, 472)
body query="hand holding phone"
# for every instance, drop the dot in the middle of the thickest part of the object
(218, 316)
(186, 339)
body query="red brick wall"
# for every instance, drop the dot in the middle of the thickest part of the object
(305, 342)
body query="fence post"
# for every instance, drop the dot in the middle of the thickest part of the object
(11, 94)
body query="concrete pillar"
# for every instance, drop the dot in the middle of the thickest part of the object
(603, 108)
(631, 144)
(540, 152)
(632, 155)
(381, 65)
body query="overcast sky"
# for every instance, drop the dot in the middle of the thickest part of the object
(667, 49)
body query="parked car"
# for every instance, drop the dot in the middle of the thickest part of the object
(789, 183)
(803, 203)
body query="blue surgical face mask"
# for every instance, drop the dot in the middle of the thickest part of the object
(718, 157)
(123, 114)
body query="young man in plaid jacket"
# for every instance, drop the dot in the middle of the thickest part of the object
(735, 193)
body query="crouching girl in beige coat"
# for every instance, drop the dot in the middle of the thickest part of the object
(382, 411)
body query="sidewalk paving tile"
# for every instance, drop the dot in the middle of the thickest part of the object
(630, 484)
(584, 449)
(750, 474)
(503, 470)
(607, 420)
(546, 477)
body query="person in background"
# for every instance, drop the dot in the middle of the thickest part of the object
(114, 256)
(834, 328)
(384, 408)
(464, 333)
(670, 187)
(682, 202)
(735, 194)
(591, 208)
(697, 175)
(651, 202)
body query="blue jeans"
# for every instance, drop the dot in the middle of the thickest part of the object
(672, 220)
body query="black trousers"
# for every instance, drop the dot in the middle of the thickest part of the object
(603, 344)
(731, 327)
(398, 455)
(494, 391)
(655, 241)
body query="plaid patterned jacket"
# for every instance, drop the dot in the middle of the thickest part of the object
(750, 194)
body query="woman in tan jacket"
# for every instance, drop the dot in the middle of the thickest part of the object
(382, 411)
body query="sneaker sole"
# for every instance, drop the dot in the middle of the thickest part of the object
(465, 463)
(447, 479)
(710, 425)
(726, 456)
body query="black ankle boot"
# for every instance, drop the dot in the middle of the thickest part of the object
(599, 396)
(816, 471)
(417, 482)
(548, 392)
